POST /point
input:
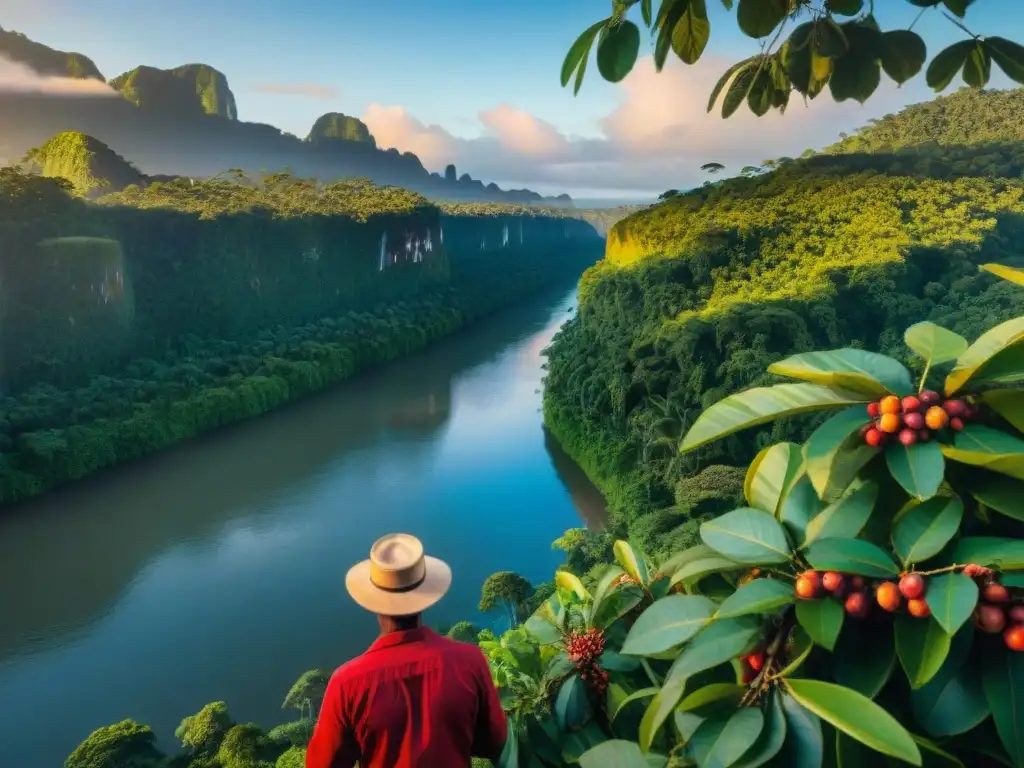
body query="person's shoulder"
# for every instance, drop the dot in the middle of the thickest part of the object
(346, 671)
(467, 651)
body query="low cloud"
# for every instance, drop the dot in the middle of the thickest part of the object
(656, 139)
(305, 90)
(15, 77)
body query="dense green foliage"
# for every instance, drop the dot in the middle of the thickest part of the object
(45, 60)
(89, 164)
(335, 125)
(807, 46)
(196, 89)
(699, 295)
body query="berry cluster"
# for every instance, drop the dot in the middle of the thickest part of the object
(915, 417)
(585, 648)
(996, 612)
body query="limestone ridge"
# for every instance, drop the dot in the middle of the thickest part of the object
(45, 60)
(335, 125)
(90, 165)
(188, 89)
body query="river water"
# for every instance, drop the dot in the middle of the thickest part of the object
(215, 571)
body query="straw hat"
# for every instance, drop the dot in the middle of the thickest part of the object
(398, 579)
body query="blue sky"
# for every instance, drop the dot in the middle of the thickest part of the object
(425, 72)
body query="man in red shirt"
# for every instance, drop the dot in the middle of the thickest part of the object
(414, 699)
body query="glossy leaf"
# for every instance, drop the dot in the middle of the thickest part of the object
(727, 80)
(580, 50)
(643, 693)
(924, 530)
(933, 342)
(569, 581)
(858, 74)
(845, 518)
(1003, 494)
(868, 657)
(989, 448)
(854, 370)
(617, 662)
(759, 18)
(953, 701)
(1002, 676)
(762, 404)
(802, 647)
(855, 556)
(616, 753)
(920, 468)
(572, 706)
(903, 55)
(721, 741)
(695, 570)
(631, 561)
(798, 509)
(691, 31)
(947, 63)
(772, 474)
(922, 646)
(857, 716)
(747, 535)
(991, 552)
(823, 620)
(667, 623)
(951, 597)
(1013, 274)
(845, 7)
(714, 694)
(617, 51)
(978, 67)
(988, 345)
(835, 452)
(804, 746)
(773, 734)
(1009, 56)
(757, 596)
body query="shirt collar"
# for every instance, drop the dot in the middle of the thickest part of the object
(402, 637)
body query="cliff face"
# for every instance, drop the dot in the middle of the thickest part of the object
(192, 89)
(44, 60)
(335, 125)
(90, 165)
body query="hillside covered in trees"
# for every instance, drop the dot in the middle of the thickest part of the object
(184, 121)
(698, 295)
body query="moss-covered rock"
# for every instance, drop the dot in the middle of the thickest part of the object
(45, 60)
(335, 125)
(186, 90)
(90, 165)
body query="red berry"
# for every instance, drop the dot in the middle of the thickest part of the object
(995, 593)
(929, 397)
(956, 424)
(1014, 638)
(873, 410)
(991, 618)
(808, 585)
(910, 404)
(912, 586)
(1017, 614)
(832, 581)
(955, 407)
(756, 661)
(918, 608)
(873, 437)
(914, 420)
(888, 596)
(908, 437)
(857, 605)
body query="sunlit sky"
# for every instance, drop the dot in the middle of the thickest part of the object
(475, 82)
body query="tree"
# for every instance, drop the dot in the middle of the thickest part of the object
(464, 632)
(668, 194)
(307, 693)
(203, 731)
(123, 745)
(506, 590)
(244, 746)
(830, 43)
(293, 758)
(712, 167)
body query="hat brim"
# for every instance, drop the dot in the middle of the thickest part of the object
(385, 603)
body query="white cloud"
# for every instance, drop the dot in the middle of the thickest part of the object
(18, 78)
(307, 90)
(657, 138)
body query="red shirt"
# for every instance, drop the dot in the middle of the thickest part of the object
(414, 699)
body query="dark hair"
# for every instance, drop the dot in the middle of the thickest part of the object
(402, 623)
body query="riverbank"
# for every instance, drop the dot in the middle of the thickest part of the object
(50, 436)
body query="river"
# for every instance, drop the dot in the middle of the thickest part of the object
(215, 571)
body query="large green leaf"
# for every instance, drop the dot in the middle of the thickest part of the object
(1003, 494)
(643, 693)
(857, 716)
(990, 448)
(772, 737)
(616, 753)
(846, 518)
(714, 695)
(721, 741)
(925, 529)
(981, 351)
(759, 18)
(1013, 274)
(667, 623)
(688, 555)
(633, 562)
(695, 570)
(771, 476)
(835, 452)
(919, 468)
(947, 63)
(761, 404)
(617, 51)
(952, 598)
(823, 620)
(1002, 676)
(857, 74)
(903, 55)
(747, 535)
(952, 701)
(933, 342)
(580, 50)
(798, 509)
(804, 746)
(1010, 58)
(853, 370)
(757, 596)
(1009, 403)
(854, 556)
(991, 551)
(722, 641)
(691, 31)
(572, 706)
(922, 645)
(865, 656)
(569, 581)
